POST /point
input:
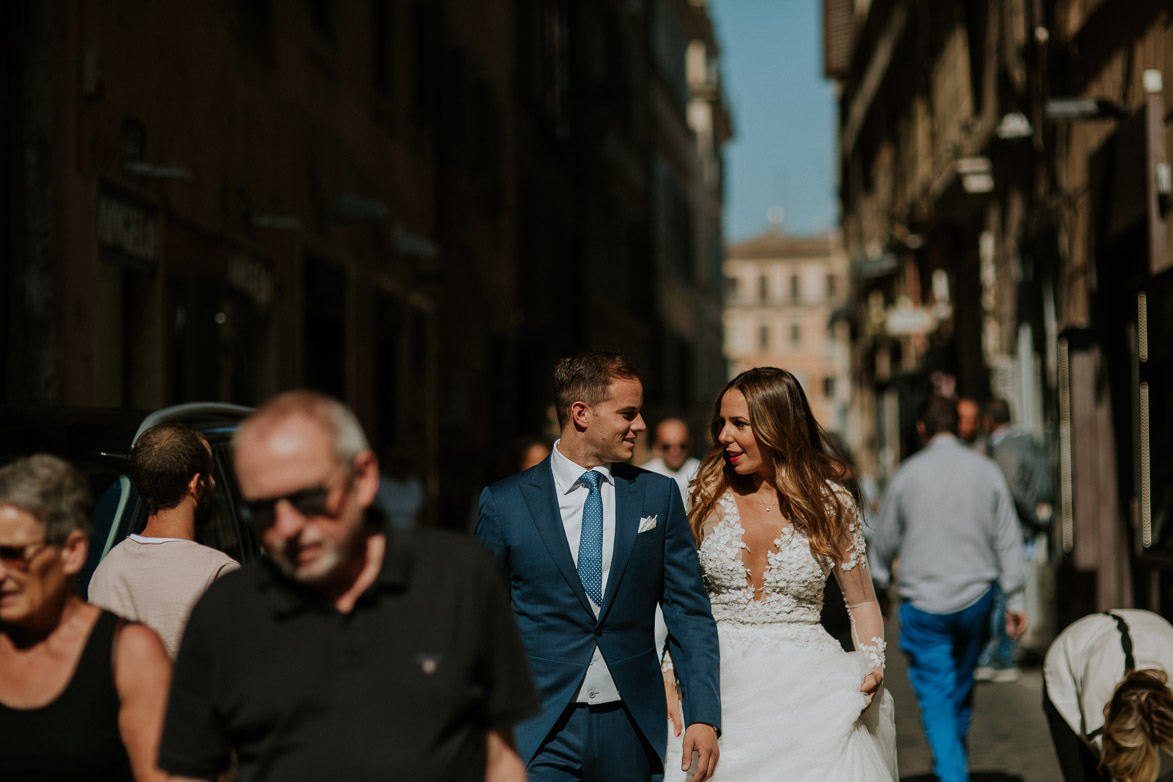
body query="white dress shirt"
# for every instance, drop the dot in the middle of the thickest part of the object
(1085, 662)
(598, 686)
(683, 476)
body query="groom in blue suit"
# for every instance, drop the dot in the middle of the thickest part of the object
(590, 545)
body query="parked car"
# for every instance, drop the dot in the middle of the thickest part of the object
(97, 441)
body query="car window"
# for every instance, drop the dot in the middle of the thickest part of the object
(116, 515)
(225, 530)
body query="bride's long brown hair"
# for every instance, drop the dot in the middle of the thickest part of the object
(805, 468)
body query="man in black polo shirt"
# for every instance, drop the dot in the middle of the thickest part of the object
(355, 651)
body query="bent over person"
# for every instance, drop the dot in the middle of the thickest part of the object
(1107, 698)
(356, 650)
(590, 544)
(157, 576)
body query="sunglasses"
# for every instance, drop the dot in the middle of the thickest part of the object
(674, 446)
(18, 557)
(311, 502)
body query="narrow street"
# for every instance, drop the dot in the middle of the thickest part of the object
(1009, 740)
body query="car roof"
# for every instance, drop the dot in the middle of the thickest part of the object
(98, 434)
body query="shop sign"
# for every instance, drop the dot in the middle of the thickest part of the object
(128, 225)
(906, 321)
(252, 277)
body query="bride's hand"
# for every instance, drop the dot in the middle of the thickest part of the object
(673, 697)
(871, 685)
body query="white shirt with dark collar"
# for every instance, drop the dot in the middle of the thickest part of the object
(598, 686)
(1085, 662)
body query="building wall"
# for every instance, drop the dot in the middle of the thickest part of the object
(1002, 249)
(416, 206)
(782, 309)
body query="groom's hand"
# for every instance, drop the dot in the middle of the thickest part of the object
(702, 739)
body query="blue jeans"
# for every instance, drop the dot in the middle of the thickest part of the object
(1000, 650)
(942, 652)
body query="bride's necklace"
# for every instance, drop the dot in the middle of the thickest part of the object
(762, 502)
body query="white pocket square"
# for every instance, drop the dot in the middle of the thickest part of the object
(647, 523)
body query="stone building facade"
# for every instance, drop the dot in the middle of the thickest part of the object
(785, 304)
(1005, 196)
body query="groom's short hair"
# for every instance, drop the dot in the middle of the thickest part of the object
(587, 377)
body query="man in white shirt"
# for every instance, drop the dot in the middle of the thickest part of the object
(670, 449)
(157, 576)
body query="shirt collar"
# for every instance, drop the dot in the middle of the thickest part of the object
(567, 472)
(941, 438)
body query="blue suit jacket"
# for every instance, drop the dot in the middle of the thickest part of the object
(520, 522)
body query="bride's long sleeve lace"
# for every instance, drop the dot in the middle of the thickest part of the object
(794, 704)
(855, 580)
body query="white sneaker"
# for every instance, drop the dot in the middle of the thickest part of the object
(983, 673)
(1007, 675)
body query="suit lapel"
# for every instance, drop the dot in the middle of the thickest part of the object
(627, 512)
(542, 500)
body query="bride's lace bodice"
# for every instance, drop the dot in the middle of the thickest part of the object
(792, 588)
(793, 581)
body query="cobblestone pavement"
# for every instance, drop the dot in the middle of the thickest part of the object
(1008, 742)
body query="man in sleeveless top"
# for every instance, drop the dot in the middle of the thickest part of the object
(155, 577)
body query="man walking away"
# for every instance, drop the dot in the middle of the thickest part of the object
(155, 577)
(949, 518)
(1026, 466)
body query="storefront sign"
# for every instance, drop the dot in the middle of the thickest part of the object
(905, 321)
(128, 225)
(252, 277)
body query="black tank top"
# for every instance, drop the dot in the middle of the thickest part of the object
(76, 736)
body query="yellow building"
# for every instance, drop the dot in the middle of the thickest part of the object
(784, 296)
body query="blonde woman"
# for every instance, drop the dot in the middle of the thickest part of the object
(772, 522)
(1107, 698)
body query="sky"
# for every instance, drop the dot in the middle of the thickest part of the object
(782, 152)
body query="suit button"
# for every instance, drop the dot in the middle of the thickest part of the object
(592, 694)
(598, 632)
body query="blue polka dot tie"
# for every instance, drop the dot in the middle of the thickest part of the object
(590, 545)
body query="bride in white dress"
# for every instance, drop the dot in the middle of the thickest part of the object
(773, 522)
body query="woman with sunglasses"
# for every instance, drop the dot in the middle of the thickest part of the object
(773, 522)
(82, 692)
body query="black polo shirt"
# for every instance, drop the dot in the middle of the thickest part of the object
(403, 687)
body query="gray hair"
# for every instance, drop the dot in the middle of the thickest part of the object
(336, 418)
(52, 492)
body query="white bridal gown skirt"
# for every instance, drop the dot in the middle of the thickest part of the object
(791, 710)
